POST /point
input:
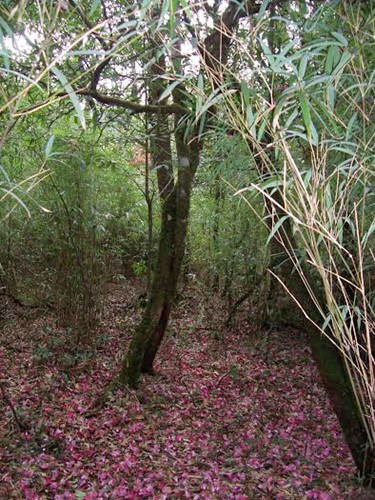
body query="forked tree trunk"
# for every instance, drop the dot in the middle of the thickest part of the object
(330, 362)
(150, 332)
(175, 198)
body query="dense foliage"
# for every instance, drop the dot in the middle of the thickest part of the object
(224, 146)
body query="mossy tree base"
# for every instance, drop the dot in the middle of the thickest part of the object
(330, 362)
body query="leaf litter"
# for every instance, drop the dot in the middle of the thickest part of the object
(231, 414)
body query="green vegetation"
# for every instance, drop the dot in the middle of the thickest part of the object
(226, 143)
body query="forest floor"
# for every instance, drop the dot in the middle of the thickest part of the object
(232, 414)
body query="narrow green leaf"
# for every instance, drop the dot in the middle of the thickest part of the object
(72, 95)
(265, 47)
(186, 8)
(4, 51)
(303, 66)
(340, 38)
(163, 14)
(315, 18)
(287, 47)
(314, 134)
(350, 126)
(276, 227)
(296, 133)
(126, 24)
(172, 14)
(201, 83)
(5, 174)
(12, 194)
(94, 7)
(345, 58)
(305, 112)
(250, 116)
(143, 10)
(331, 96)
(263, 9)
(271, 182)
(279, 108)
(291, 118)
(261, 130)
(326, 322)
(6, 27)
(86, 53)
(202, 124)
(167, 92)
(307, 178)
(24, 77)
(49, 145)
(368, 233)
(333, 56)
(245, 94)
(316, 81)
(213, 99)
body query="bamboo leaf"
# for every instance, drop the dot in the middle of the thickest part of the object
(5, 174)
(276, 228)
(291, 118)
(331, 95)
(296, 133)
(86, 53)
(6, 27)
(261, 130)
(186, 8)
(333, 57)
(303, 66)
(72, 95)
(345, 58)
(94, 7)
(250, 116)
(307, 177)
(201, 83)
(368, 233)
(245, 94)
(340, 38)
(167, 92)
(12, 194)
(263, 9)
(350, 126)
(326, 322)
(4, 51)
(287, 47)
(21, 75)
(49, 146)
(271, 182)
(279, 108)
(305, 112)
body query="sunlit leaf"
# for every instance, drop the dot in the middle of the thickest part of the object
(72, 95)
(49, 145)
(168, 91)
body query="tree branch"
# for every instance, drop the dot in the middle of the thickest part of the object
(134, 107)
(163, 109)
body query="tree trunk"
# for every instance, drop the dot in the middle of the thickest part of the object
(330, 362)
(150, 332)
(175, 196)
(215, 232)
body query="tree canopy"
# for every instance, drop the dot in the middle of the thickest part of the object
(225, 141)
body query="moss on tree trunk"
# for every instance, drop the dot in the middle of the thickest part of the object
(330, 362)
